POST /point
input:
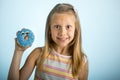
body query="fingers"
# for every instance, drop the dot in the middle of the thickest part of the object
(18, 41)
(18, 47)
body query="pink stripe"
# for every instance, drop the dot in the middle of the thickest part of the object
(55, 68)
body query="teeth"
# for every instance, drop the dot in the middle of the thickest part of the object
(62, 39)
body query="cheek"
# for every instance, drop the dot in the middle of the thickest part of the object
(53, 34)
(72, 33)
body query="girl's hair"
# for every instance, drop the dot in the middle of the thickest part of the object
(75, 46)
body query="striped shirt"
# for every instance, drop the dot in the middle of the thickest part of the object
(55, 67)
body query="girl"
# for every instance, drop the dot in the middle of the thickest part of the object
(61, 58)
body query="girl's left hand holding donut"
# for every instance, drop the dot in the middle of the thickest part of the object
(24, 40)
(18, 47)
(25, 37)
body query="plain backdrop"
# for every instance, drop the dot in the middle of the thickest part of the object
(100, 23)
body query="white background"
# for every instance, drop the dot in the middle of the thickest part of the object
(100, 23)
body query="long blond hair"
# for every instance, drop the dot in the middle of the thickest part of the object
(75, 45)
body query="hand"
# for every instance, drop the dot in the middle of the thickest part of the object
(18, 47)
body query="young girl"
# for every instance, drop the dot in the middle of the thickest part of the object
(61, 58)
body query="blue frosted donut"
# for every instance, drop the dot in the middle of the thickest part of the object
(25, 37)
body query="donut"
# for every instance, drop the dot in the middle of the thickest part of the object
(25, 37)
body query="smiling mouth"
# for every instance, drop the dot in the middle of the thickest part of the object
(62, 39)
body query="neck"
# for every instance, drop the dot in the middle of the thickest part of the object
(62, 50)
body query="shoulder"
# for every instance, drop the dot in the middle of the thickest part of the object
(37, 50)
(85, 59)
(35, 54)
(83, 75)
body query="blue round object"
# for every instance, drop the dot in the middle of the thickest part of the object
(25, 37)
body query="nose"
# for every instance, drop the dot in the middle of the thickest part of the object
(62, 32)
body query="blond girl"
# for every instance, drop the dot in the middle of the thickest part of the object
(61, 58)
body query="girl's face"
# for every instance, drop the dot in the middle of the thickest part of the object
(62, 28)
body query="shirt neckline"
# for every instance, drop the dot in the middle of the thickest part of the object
(58, 54)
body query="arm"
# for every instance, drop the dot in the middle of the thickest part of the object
(29, 65)
(84, 70)
(26, 70)
(14, 68)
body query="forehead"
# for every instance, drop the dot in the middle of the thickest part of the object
(65, 17)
